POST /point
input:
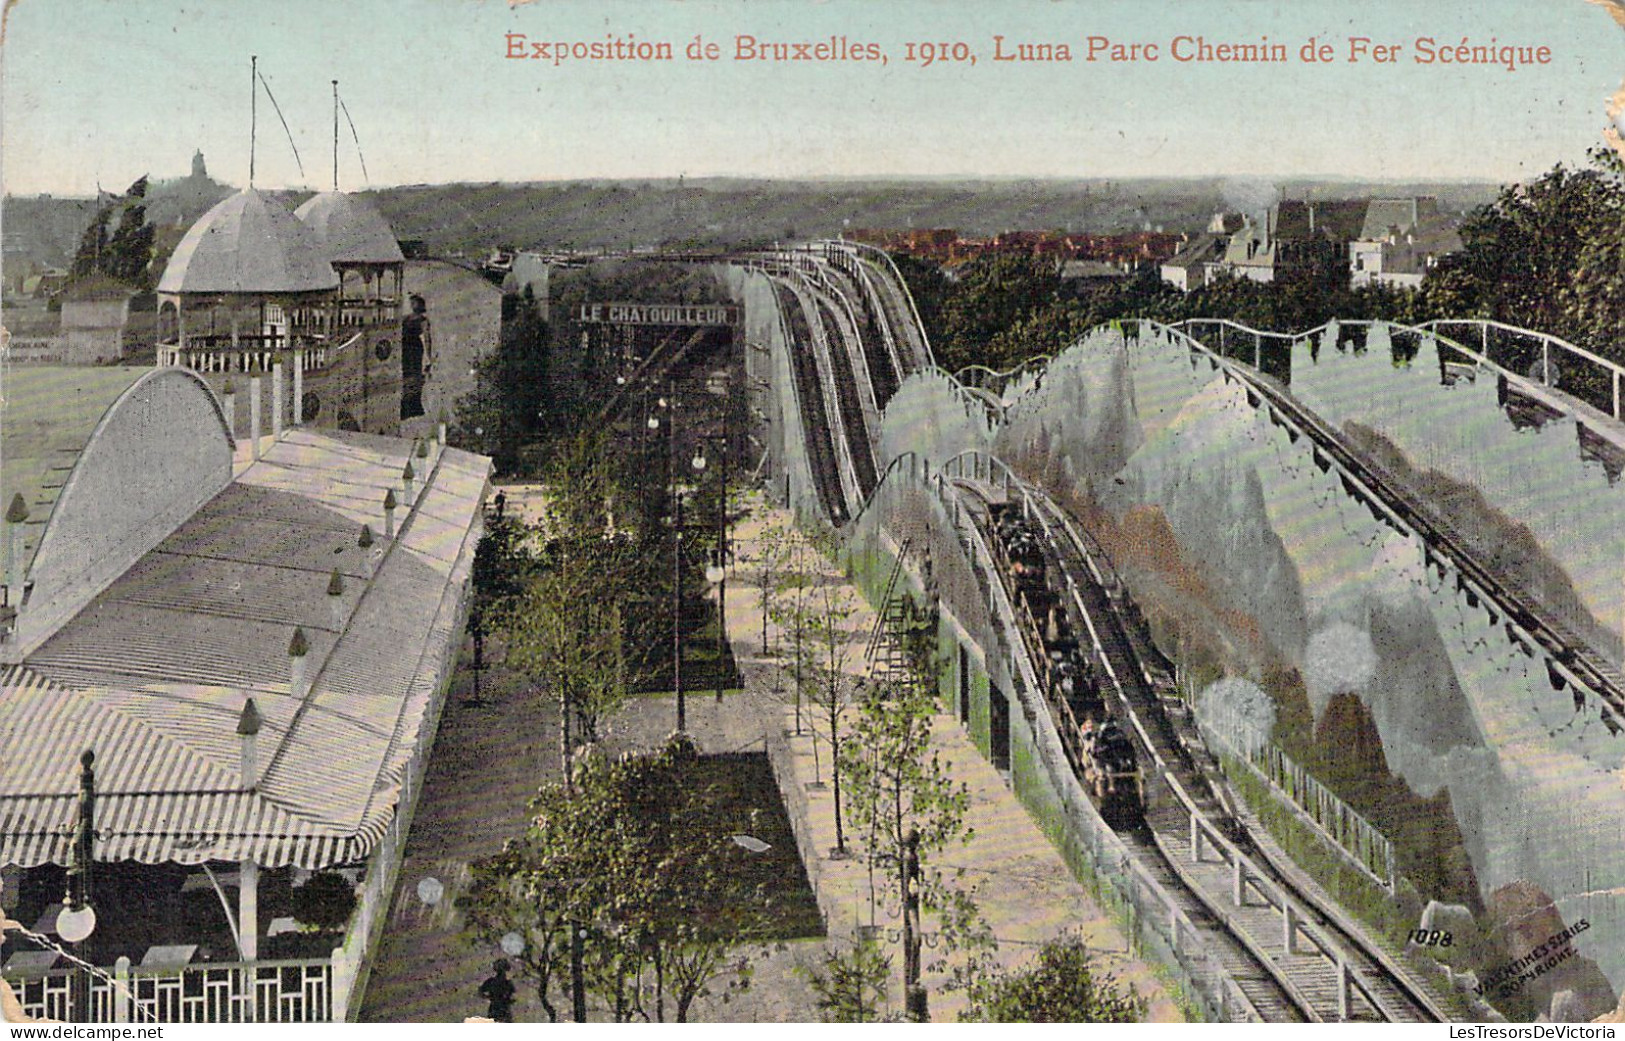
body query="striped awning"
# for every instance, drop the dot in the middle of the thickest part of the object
(154, 673)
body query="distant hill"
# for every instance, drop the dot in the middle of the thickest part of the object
(44, 231)
(472, 218)
(619, 214)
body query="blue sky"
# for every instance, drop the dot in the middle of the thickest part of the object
(104, 90)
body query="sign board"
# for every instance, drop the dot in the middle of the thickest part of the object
(659, 314)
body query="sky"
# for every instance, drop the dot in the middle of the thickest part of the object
(101, 91)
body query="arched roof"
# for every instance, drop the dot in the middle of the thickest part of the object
(248, 244)
(50, 414)
(349, 229)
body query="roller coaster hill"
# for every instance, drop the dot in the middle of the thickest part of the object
(1048, 660)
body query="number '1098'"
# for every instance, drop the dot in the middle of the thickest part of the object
(1430, 938)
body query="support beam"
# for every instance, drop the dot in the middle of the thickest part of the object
(254, 416)
(248, 910)
(276, 401)
(299, 386)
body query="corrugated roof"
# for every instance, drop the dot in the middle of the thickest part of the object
(349, 229)
(1384, 215)
(164, 659)
(1202, 249)
(50, 413)
(248, 244)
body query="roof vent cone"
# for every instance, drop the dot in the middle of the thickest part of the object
(298, 649)
(248, 728)
(389, 514)
(335, 597)
(408, 475)
(16, 517)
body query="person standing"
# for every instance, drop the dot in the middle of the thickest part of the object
(498, 991)
(417, 357)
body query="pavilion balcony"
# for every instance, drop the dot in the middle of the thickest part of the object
(243, 353)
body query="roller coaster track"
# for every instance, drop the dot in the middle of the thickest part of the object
(1276, 947)
(1293, 953)
(1570, 663)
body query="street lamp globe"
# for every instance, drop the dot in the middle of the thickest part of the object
(714, 573)
(699, 460)
(654, 423)
(77, 924)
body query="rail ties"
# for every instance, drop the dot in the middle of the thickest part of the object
(1280, 941)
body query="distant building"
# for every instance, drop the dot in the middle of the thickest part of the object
(1189, 268)
(1400, 241)
(1251, 253)
(1389, 241)
(1078, 275)
(94, 315)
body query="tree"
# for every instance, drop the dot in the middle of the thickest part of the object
(1523, 255)
(87, 260)
(129, 252)
(563, 632)
(772, 557)
(573, 625)
(624, 854)
(1596, 297)
(507, 409)
(126, 254)
(852, 986)
(791, 608)
(1062, 986)
(904, 799)
(994, 293)
(830, 653)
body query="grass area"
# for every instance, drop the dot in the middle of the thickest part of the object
(739, 796)
(700, 665)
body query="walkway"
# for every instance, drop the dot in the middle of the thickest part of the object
(489, 759)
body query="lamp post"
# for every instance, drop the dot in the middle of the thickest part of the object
(669, 403)
(717, 572)
(78, 918)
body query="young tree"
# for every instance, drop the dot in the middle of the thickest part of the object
(791, 607)
(502, 899)
(771, 559)
(561, 633)
(1063, 986)
(904, 798)
(624, 855)
(569, 626)
(828, 683)
(852, 986)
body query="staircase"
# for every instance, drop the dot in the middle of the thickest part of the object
(888, 663)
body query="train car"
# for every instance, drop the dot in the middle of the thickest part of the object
(1106, 760)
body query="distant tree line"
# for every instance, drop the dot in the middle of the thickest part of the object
(1547, 255)
(124, 254)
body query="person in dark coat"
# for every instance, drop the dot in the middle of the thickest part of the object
(497, 991)
(417, 357)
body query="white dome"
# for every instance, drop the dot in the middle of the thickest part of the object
(349, 229)
(249, 244)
